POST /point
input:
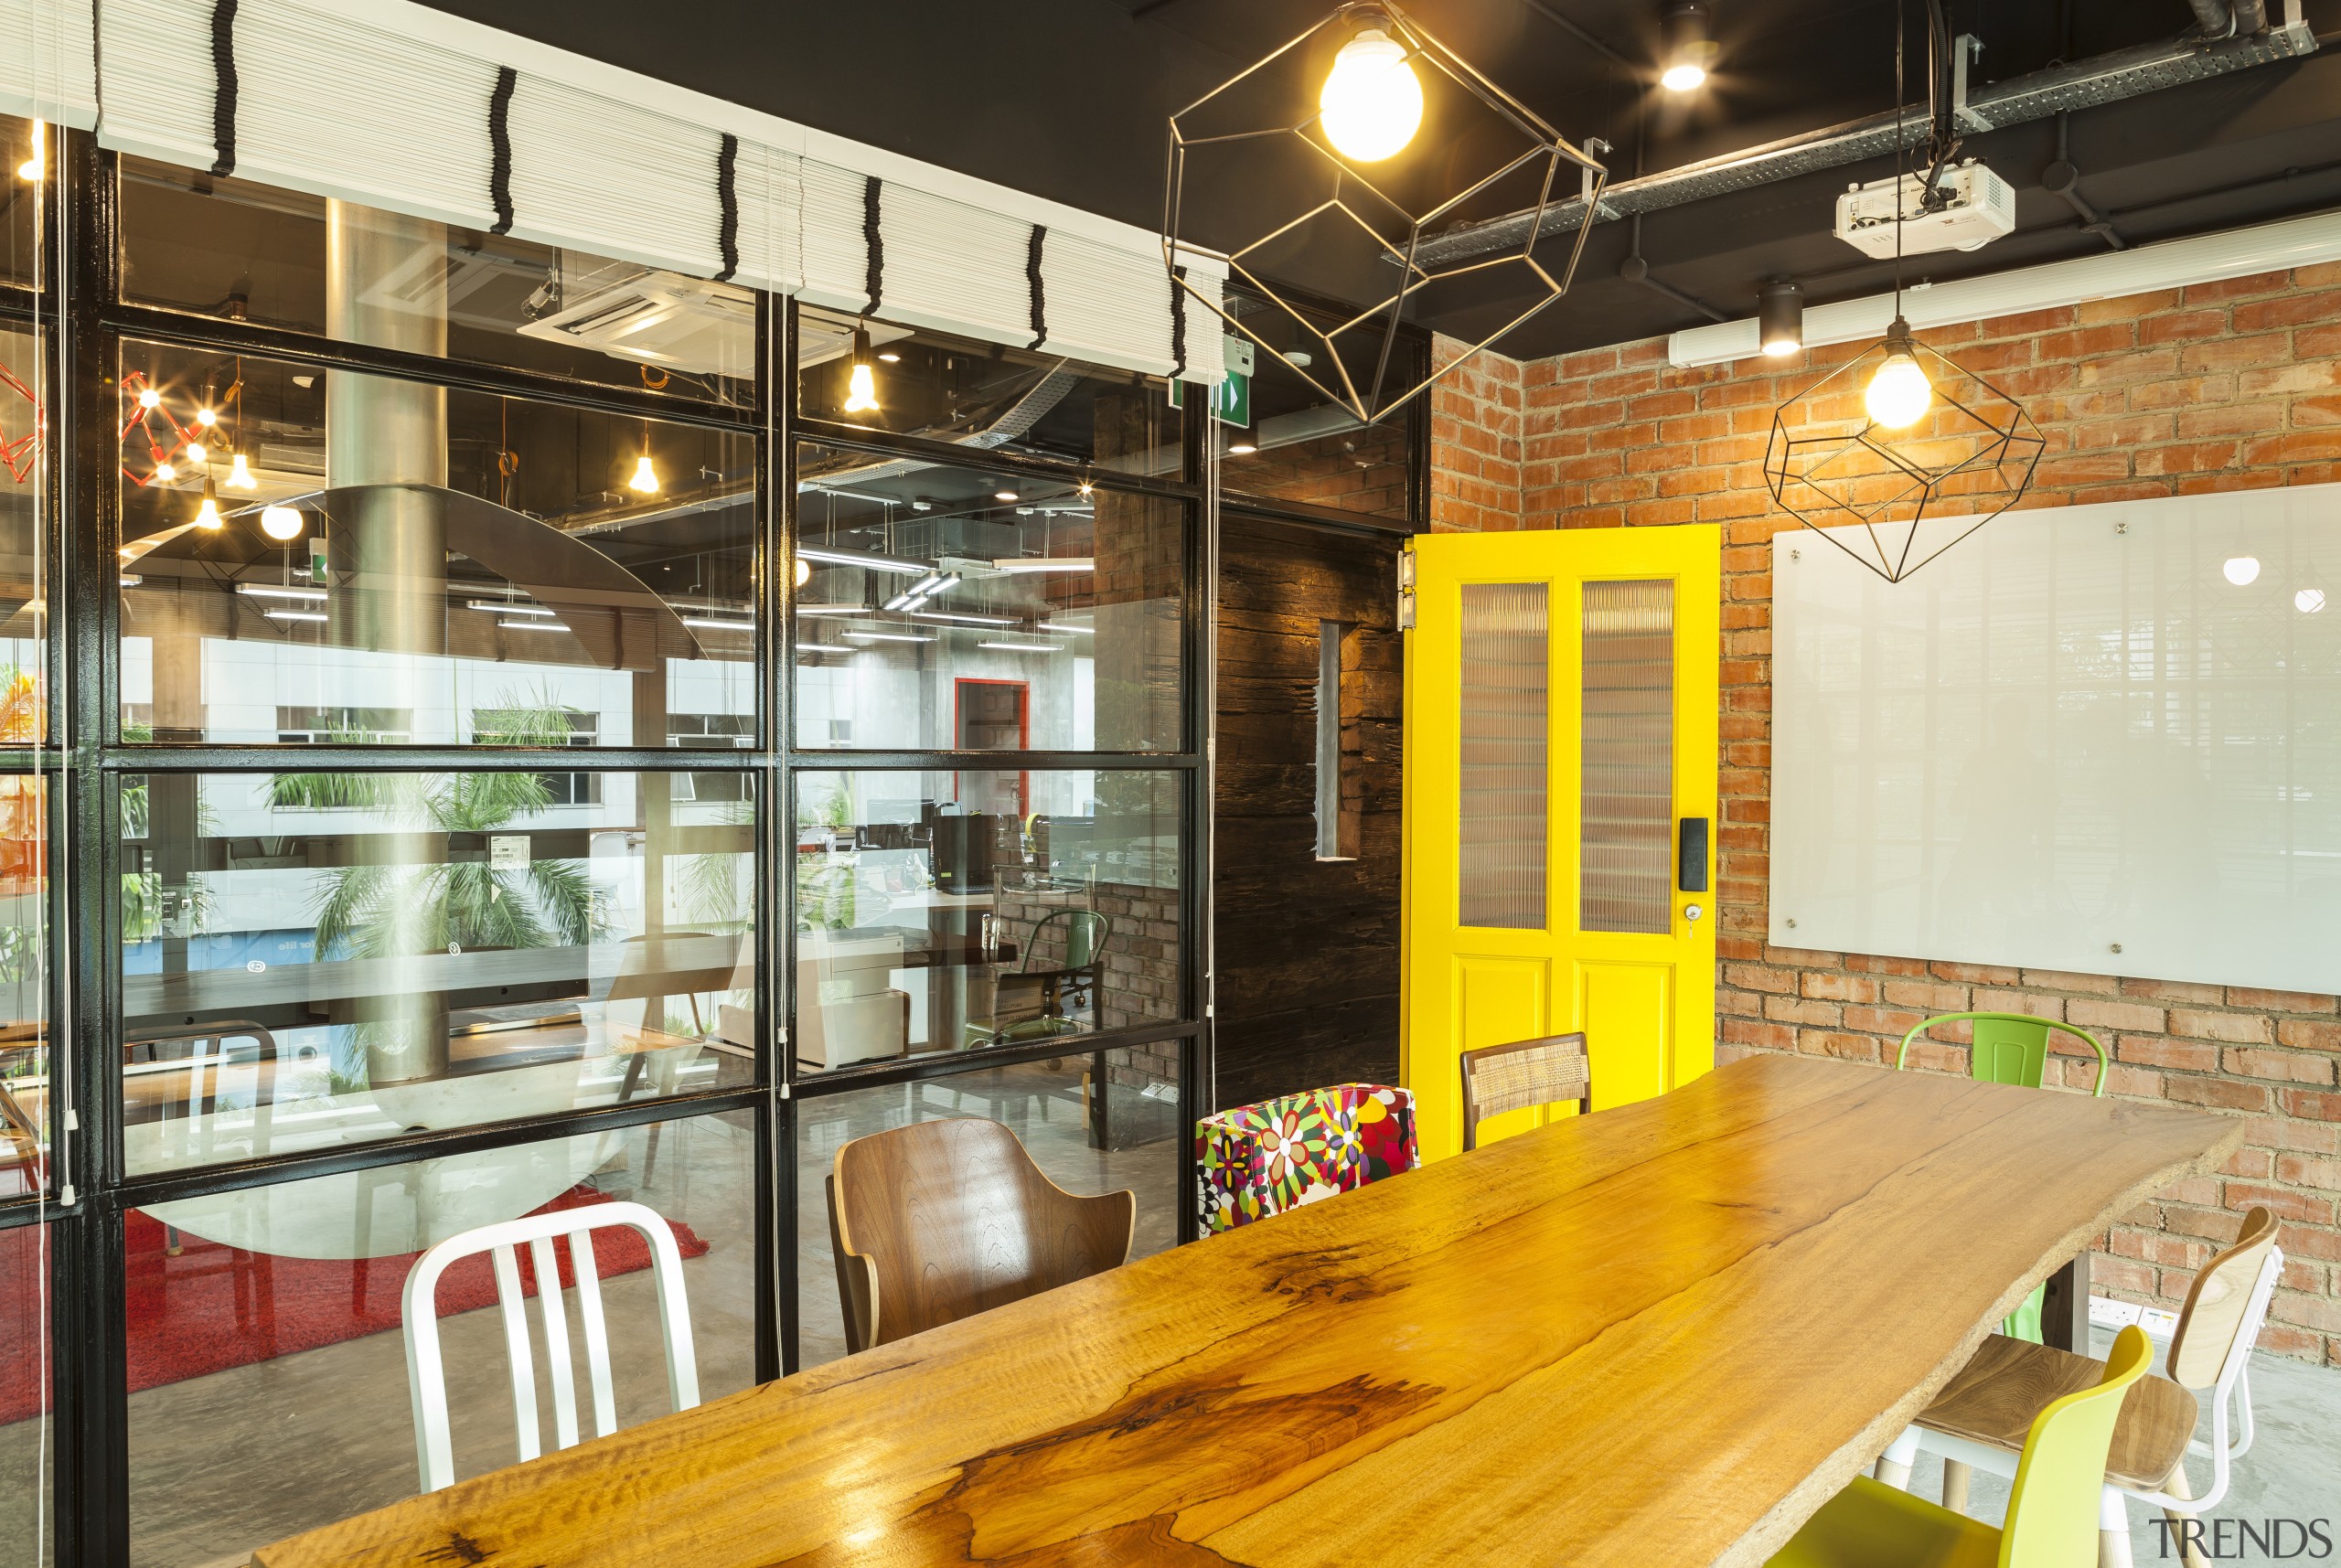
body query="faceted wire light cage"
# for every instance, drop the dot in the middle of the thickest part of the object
(1911, 492)
(1534, 159)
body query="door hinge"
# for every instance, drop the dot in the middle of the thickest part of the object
(1406, 590)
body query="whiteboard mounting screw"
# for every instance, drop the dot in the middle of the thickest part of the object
(2120, 528)
(1795, 555)
(2113, 947)
(1790, 923)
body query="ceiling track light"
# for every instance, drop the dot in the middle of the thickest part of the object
(1690, 49)
(1779, 317)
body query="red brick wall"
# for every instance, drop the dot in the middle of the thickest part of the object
(2222, 386)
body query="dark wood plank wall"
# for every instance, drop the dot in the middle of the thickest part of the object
(1308, 949)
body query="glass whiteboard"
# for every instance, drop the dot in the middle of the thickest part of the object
(2072, 744)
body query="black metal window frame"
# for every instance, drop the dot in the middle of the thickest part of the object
(81, 322)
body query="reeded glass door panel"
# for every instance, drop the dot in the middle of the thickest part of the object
(265, 1321)
(942, 911)
(317, 959)
(1505, 723)
(320, 557)
(936, 599)
(1626, 831)
(1100, 1122)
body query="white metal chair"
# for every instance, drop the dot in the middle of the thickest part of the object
(426, 1374)
(1973, 1421)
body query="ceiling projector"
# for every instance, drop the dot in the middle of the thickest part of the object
(1974, 207)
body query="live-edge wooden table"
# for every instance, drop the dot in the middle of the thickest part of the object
(1662, 1335)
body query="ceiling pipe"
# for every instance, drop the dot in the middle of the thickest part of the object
(2213, 17)
(2251, 16)
(2084, 84)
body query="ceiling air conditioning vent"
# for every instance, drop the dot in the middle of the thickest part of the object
(659, 318)
(1979, 209)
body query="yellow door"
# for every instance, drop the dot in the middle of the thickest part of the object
(1560, 759)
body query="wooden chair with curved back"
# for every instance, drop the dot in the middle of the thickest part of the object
(1524, 1074)
(1980, 1418)
(942, 1219)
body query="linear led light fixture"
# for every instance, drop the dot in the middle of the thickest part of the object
(885, 637)
(863, 558)
(532, 625)
(820, 648)
(961, 616)
(1045, 563)
(1022, 647)
(494, 608)
(293, 615)
(1068, 626)
(719, 626)
(2141, 269)
(270, 591)
(833, 609)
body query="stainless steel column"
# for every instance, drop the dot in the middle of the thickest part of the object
(386, 287)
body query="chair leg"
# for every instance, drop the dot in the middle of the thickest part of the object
(1894, 1465)
(1955, 1476)
(2112, 1528)
(2190, 1554)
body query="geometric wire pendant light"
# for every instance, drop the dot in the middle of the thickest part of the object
(1329, 113)
(1899, 453)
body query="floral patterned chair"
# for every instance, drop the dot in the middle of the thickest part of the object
(1258, 1160)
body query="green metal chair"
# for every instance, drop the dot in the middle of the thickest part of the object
(2010, 1047)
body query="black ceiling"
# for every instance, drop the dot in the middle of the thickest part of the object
(1068, 98)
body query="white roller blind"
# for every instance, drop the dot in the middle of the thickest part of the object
(48, 68)
(387, 104)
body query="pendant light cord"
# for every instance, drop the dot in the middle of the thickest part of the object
(1898, 157)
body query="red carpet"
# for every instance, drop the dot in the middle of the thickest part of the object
(213, 1307)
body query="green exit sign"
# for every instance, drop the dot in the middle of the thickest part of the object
(1231, 398)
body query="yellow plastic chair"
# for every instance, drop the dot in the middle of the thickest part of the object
(2052, 1507)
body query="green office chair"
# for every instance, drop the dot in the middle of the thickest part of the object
(2052, 1505)
(1032, 1004)
(2010, 1047)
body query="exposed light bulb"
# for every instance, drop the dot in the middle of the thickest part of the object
(281, 522)
(1371, 105)
(861, 382)
(240, 475)
(165, 473)
(207, 516)
(196, 453)
(150, 398)
(205, 417)
(646, 476)
(2242, 570)
(1898, 392)
(804, 571)
(2309, 601)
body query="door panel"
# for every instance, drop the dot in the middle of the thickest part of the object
(1561, 721)
(1626, 1011)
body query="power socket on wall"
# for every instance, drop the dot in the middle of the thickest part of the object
(2158, 1322)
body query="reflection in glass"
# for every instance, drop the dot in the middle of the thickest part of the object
(1506, 655)
(267, 1373)
(324, 556)
(1094, 1121)
(1626, 840)
(315, 959)
(25, 1439)
(1301, 446)
(947, 607)
(942, 911)
(984, 396)
(24, 960)
(252, 253)
(26, 150)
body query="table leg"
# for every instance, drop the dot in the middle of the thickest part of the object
(2063, 1316)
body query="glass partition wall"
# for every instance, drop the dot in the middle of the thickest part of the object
(532, 730)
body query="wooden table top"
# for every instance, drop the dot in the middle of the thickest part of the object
(1663, 1334)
